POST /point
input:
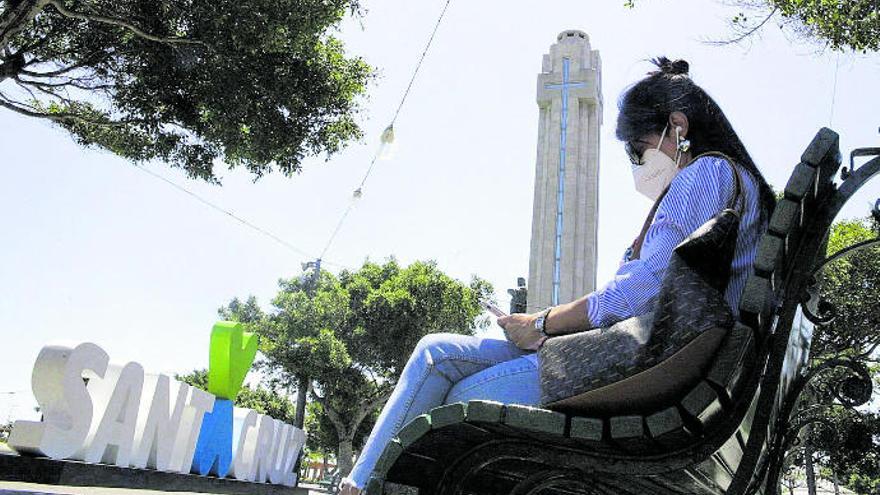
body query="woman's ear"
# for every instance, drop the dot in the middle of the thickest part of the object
(678, 119)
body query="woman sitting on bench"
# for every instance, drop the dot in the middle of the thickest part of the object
(665, 122)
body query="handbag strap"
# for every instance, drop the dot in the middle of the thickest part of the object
(736, 203)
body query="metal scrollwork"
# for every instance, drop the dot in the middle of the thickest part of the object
(825, 313)
(846, 252)
(855, 390)
(845, 172)
(852, 391)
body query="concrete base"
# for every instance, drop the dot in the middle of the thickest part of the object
(72, 473)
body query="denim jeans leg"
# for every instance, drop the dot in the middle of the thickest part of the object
(438, 362)
(512, 382)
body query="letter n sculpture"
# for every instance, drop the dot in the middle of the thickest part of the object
(232, 353)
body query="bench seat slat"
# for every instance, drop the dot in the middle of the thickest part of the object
(803, 182)
(702, 405)
(667, 428)
(629, 433)
(492, 416)
(389, 456)
(733, 361)
(414, 430)
(756, 304)
(586, 430)
(448, 415)
(535, 420)
(823, 153)
(770, 255)
(484, 411)
(786, 217)
(376, 486)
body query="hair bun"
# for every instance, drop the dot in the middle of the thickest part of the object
(671, 67)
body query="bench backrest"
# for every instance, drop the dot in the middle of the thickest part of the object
(772, 297)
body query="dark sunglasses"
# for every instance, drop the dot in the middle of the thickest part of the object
(635, 156)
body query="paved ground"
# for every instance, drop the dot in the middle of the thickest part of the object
(13, 488)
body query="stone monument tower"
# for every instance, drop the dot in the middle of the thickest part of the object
(562, 264)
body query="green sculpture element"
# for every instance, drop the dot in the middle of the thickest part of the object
(232, 352)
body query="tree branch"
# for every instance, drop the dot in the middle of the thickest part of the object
(60, 117)
(332, 415)
(369, 406)
(748, 33)
(33, 96)
(73, 83)
(12, 21)
(115, 21)
(56, 73)
(47, 91)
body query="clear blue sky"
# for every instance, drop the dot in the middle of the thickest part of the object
(94, 249)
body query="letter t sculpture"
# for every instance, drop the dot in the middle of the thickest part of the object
(232, 352)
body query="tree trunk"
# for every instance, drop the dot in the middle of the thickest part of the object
(836, 482)
(302, 388)
(345, 457)
(808, 461)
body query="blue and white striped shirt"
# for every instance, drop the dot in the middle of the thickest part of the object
(698, 193)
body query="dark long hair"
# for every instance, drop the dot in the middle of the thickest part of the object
(645, 108)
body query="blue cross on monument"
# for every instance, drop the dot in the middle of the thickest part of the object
(560, 192)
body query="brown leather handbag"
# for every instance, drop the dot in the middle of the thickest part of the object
(640, 362)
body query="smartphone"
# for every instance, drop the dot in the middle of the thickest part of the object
(495, 310)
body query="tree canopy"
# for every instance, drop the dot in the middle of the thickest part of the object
(260, 399)
(847, 440)
(350, 335)
(259, 84)
(839, 24)
(852, 285)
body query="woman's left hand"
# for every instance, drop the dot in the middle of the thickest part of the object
(519, 328)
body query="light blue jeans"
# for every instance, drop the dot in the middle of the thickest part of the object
(446, 368)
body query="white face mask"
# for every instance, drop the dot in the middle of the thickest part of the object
(657, 170)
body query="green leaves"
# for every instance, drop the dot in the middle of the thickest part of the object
(258, 84)
(850, 439)
(852, 284)
(847, 24)
(376, 315)
(262, 400)
(352, 334)
(839, 24)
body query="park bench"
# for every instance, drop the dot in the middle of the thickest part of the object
(331, 483)
(722, 427)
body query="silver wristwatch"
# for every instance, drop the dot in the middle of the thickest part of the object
(541, 322)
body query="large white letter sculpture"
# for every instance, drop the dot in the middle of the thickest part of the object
(118, 395)
(158, 421)
(125, 418)
(244, 438)
(198, 404)
(57, 382)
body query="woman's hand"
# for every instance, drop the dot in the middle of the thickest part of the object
(519, 328)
